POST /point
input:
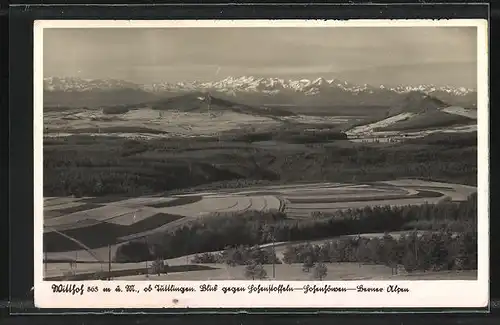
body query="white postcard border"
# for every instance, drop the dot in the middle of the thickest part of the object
(444, 294)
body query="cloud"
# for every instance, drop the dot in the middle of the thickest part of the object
(183, 53)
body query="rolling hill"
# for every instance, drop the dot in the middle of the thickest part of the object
(204, 102)
(418, 111)
(416, 102)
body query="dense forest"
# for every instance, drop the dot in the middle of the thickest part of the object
(100, 166)
(251, 228)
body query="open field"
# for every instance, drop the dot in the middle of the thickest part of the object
(285, 272)
(149, 121)
(293, 272)
(171, 123)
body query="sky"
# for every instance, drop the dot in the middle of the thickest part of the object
(147, 55)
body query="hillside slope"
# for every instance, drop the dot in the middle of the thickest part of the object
(203, 102)
(417, 112)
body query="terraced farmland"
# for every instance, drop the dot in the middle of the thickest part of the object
(100, 224)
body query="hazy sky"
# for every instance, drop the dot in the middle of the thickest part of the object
(147, 55)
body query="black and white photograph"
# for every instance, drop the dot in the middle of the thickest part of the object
(251, 152)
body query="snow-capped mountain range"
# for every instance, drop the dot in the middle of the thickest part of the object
(245, 84)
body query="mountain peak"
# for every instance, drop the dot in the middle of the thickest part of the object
(339, 91)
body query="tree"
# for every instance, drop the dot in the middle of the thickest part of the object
(320, 271)
(231, 256)
(290, 254)
(255, 271)
(134, 251)
(308, 264)
(410, 262)
(159, 266)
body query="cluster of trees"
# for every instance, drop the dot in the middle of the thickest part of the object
(82, 166)
(255, 271)
(240, 255)
(250, 228)
(159, 267)
(415, 251)
(254, 258)
(296, 135)
(426, 251)
(320, 271)
(133, 251)
(115, 109)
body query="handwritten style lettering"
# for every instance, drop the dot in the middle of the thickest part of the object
(72, 289)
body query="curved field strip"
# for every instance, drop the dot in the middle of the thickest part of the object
(323, 195)
(427, 184)
(457, 196)
(103, 199)
(124, 219)
(60, 201)
(264, 203)
(303, 210)
(248, 206)
(163, 228)
(361, 198)
(206, 205)
(237, 203)
(132, 218)
(356, 204)
(56, 211)
(101, 214)
(353, 193)
(455, 192)
(83, 223)
(61, 206)
(176, 201)
(77, 208)
(196, 194)
(321, 188)
(142, 201)
(279, 188)
(221, 204)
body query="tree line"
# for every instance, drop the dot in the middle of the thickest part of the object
(250, 228)
(415, 251)
(427, 251)
(83, 166)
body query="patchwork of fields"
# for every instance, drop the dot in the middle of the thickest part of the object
(153, 123)
(86, 230)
